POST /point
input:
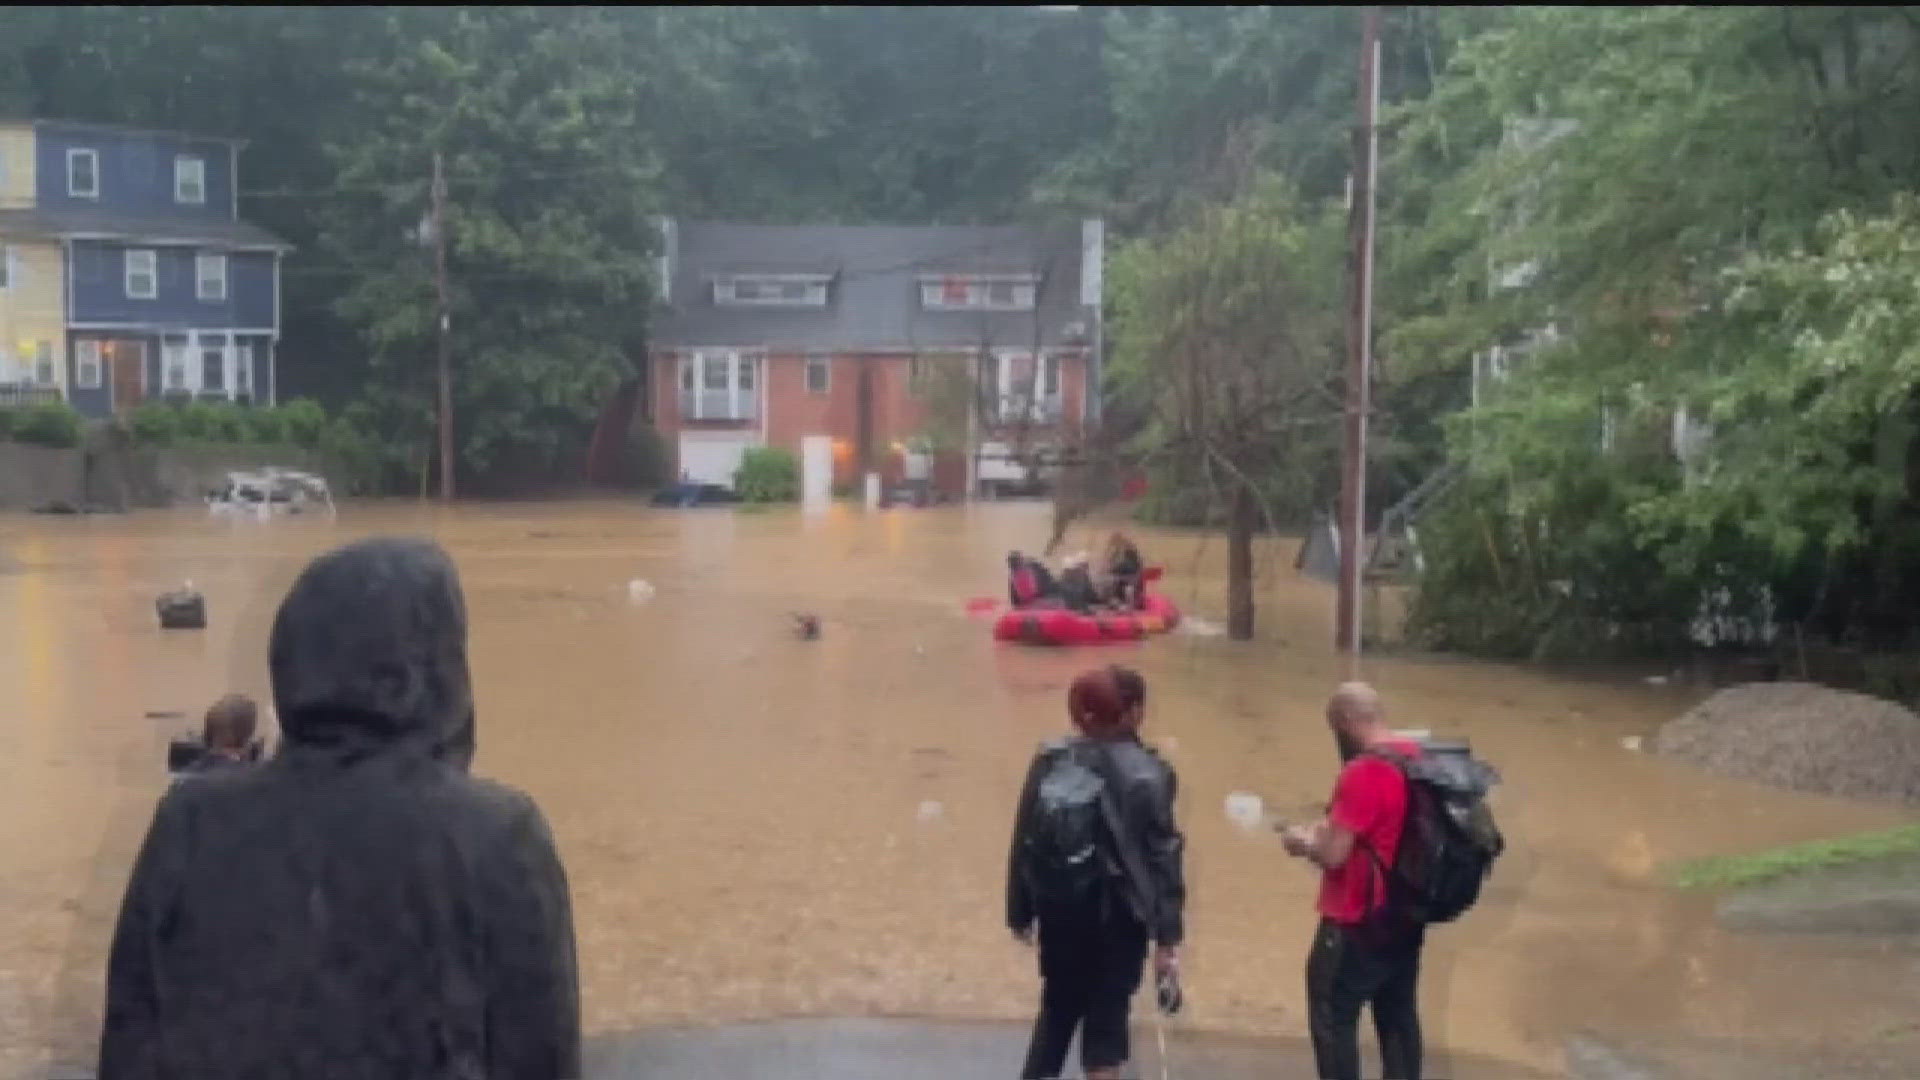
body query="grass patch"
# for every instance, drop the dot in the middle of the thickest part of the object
(1733, 871)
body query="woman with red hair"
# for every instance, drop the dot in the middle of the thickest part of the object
(1096, 863)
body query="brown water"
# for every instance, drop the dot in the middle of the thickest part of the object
(742, 813)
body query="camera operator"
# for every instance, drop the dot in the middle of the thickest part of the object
(226, 737)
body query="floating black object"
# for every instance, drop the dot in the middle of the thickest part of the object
(182, 609)
(808, 626)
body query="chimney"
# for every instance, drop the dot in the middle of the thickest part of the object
(1093, 256)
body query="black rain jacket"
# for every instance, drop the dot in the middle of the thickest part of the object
(357, 908)
(1143, 786)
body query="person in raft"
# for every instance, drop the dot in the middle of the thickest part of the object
(1028, 582)
(1076, 584)
(1096, 866)
(1124, 571)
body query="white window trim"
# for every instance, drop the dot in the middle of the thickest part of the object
(152, 272)
(740, 399)
(46, 370)
(87, 358)
(197, 361)
(1015, 396)
(824, 364)
(189, 376)
(8, 270)
(933, 292)
(181, 172)
(76, 153)
(200, 264)
(726, 293)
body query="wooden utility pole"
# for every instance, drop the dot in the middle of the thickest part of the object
(1353, 466)
(446, 327)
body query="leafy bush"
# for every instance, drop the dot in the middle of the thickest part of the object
(155, 424)
(9, 417)
(264, 425)
(768, 474)
(213, 421)
(49, 424)
(303, 421)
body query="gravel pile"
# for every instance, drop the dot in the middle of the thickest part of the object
(1803, 737)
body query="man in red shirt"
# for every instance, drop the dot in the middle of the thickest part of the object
(1358, 958)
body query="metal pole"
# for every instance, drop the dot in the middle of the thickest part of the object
(1353, 478)
(440, 288)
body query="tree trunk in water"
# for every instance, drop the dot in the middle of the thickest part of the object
(1240, 566)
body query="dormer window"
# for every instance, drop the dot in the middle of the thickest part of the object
(190, 180)
(978, 292)
(771, 290)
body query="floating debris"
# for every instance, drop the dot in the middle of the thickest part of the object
(1246, 810)
(1631, 742)
(806, 625)
(930, 811)
(639, 591)
(182, 609)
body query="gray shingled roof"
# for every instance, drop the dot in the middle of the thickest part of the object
(874, 301)
(59, 224)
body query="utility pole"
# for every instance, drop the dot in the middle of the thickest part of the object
(446, 327)
(1353, 466)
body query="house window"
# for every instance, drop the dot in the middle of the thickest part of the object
(770, 291)
(1049, 376)
(173, 364)
(962, 293)
(210, 277)
(190, 180)
(6, 268)
(818, 374)
(86, 364)
(213, 362)
(719, 386)
(43, 363)
(243, 369)
(143, 276)
(83, 173)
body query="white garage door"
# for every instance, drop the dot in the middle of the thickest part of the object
(711, 457)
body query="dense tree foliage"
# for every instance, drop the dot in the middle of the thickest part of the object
(1706, 206)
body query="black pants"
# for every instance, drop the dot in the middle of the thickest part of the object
(1346, 971)
(1089, 968)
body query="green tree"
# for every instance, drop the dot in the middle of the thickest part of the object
(551, 183)
(1226, 335)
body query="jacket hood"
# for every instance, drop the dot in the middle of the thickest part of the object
(369, 653)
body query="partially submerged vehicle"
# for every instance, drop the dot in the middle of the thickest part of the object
(271, 491)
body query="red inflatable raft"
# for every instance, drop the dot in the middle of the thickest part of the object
(1058, 626)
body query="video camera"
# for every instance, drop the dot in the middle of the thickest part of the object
(187, 751)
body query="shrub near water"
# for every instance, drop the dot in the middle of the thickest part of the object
(768, 474)
(51, 424)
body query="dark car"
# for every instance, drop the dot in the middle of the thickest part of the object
(691, 494)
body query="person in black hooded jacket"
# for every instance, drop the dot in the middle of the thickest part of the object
(358, 907)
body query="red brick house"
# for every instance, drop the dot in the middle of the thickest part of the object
(768, 334)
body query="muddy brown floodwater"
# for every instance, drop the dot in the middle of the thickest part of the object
(760, 826)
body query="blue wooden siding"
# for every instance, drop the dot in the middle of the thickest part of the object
(135, 172)
(99, 293)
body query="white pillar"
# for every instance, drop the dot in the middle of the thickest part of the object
(873, 491)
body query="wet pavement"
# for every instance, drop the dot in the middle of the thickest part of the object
(903, 1049)
(758, 826)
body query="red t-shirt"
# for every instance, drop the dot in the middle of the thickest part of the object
(1370, 801)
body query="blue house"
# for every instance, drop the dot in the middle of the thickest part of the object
(167, 293)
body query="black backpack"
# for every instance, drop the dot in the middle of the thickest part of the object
(1449, 841)
(1076, 851)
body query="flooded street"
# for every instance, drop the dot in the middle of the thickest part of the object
(759, 826)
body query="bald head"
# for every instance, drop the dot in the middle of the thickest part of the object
(1354, 702)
